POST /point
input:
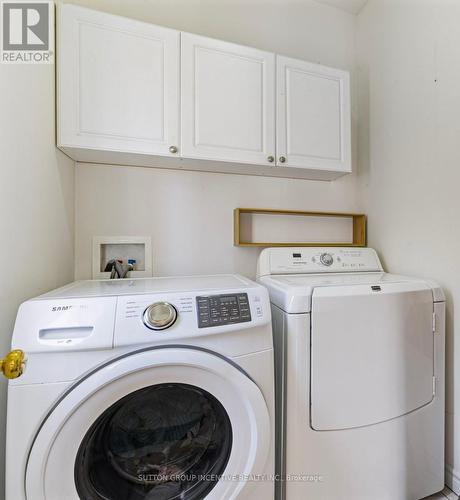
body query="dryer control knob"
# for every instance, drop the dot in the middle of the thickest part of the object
(159, 316)
(326, 259)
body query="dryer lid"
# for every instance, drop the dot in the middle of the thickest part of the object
(371, 354)
(293, 292)
(291, 274)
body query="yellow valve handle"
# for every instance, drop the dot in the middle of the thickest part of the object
(12, 365)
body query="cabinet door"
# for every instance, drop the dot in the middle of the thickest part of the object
(118, 83)
(228, 101)
(313, 116)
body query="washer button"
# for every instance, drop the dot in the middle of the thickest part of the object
(159, 316)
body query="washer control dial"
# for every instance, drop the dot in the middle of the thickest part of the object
(326, 259)
(159, 316)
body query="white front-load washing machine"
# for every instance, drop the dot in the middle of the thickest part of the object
(143, 389)
(360, 376)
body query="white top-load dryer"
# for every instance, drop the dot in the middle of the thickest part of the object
(144, 389)
(360, 373)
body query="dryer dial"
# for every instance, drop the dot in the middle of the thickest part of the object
(326, 259)
(159, 316)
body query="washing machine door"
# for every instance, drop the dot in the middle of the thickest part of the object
(161, 423)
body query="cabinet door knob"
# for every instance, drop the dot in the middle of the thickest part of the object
(282, 159)
(173, 149)
(270, 159)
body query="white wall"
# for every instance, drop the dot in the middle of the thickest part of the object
(36, 201)
(409, 99)
(189, 214)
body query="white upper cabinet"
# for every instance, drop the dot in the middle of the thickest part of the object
(118, 83)
(131, 93)
(313, 116)
(228, 101)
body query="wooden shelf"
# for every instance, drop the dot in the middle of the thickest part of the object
(359, 237)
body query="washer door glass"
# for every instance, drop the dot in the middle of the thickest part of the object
(161, 442)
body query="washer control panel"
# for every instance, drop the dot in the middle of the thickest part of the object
(218, 310)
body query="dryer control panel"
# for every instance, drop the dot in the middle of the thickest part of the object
(226, 309)
(317, 260)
